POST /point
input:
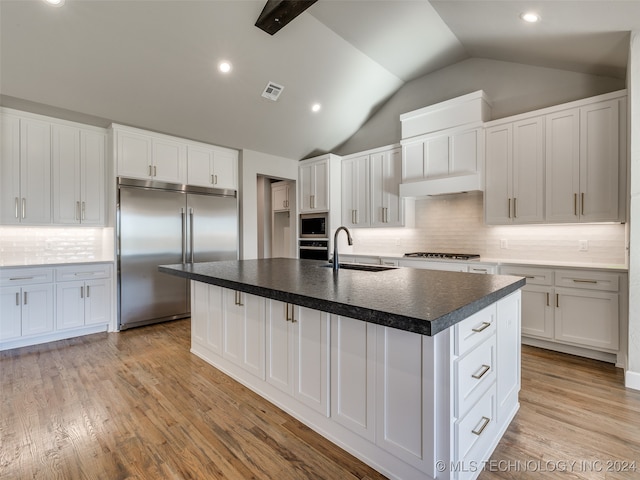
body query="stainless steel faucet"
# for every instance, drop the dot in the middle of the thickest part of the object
(336, 260)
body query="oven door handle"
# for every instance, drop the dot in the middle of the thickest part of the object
(313, 248)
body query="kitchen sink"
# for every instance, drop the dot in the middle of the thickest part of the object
(362, 267)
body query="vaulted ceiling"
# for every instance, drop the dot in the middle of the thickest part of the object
(154, 64)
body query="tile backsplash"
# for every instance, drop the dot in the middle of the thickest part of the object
(455, 223)
(51, 245)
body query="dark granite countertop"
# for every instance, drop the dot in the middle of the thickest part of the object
(415, 300)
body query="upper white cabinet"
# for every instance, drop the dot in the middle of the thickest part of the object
(212, 167)
(319, 180)
(25, 171)
(280, 197)
(142, 155)
(78, 161)
(514, 191)
(370, 189)
(582, 161)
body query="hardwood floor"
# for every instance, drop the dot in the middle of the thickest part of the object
(138, 405)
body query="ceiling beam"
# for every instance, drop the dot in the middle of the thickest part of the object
(277, 13)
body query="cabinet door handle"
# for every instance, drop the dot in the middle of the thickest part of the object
(557, 300)
(508, 208)
(88, 291)
(17, 201)
(548, 299)
(150, 171)
(483, 425)
(239, 299)
(77, 210)
(286, 312)
(24, 207)
(483, 326)
(579, 280)
(575, 204)
(215, 179)
(17, 298)
(515, 208)
(25, 298)
(155, 171)
(81, 292)
(83, 211)
(293, 314)
(482, 372)
(582, 203)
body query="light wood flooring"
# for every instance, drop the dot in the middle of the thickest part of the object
(138, 405)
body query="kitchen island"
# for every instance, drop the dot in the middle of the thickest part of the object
(415, 372)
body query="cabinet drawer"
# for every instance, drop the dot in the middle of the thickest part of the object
(82, 272)
(475, 329)
(475, 432)
(487, 269)
(534, 276)
(587, 279)
(474, 373)
(25, 276)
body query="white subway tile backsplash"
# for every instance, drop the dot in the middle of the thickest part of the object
(455, 223)
(51, 245)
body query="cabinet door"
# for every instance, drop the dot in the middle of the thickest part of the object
(498, 159)
(199, 166)
(169, 161)
(562, 143)
(279, 346)
(10, 170)
(37, 309)
(465, 150)
(280, 198)
(353, 366)
(134, 155)
(413, 167)
(244, 324)
(97, 301)
(436, 152)
(65, 143)
(225, 170)
(307, 187)
(233, 323)
(92, 178)
(386, 204)
(508, 355)
(11, 308)
(70, 305)
(537, 311)
(528, 171)
(206, 316)
(355, 192)
(587, 317)
(599, 162)
(311, 358)
(321, 189)
(35, 171)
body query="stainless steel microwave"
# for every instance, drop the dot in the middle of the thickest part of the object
(313, 225)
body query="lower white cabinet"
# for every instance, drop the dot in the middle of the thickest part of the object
(45, 304)
(399, 401)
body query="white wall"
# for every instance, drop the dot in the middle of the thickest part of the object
(253, 164)
(512, 88)
(632, 376)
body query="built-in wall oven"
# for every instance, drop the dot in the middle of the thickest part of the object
(314, 236)
(314, 249)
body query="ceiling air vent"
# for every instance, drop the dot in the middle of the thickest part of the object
(272, 91)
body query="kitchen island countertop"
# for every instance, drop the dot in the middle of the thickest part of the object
(418, 301)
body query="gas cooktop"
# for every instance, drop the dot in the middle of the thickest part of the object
(444, 256)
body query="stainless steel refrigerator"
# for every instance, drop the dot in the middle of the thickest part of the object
(161, 223)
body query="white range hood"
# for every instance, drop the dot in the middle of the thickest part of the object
(464, 182)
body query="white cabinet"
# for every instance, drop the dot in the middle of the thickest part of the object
(431, 265)
(514, 191)
(280, 197)
(442, 154)
(145, 156)
(582, 162)
(25, 171)
(83, 295)
(572, 307)
(244, 330)
(212, 167)
(298, 353)
(78, 160)
(207, 312)
(355, 192)
(314, 185)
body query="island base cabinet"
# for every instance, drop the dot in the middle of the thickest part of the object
(206, 316)
(279, 348)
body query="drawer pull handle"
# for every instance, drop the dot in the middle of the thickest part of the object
(578, 280)
(21, 278)
(482, 327)
(479, 430)
(81, 274)
(482, 372)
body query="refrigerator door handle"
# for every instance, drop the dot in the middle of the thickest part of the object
(191, 232)
(184, 235)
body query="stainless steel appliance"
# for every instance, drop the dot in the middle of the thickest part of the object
(444, 256)
(314, 249)
(314, 225)
(161, 223)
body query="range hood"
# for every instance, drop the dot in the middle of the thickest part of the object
(459, 183)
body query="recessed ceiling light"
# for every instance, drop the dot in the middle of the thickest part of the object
(530, 17)
(224, 67)
(55, 3)
(316, 107)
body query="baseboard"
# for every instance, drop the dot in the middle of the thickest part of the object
(632, 379)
